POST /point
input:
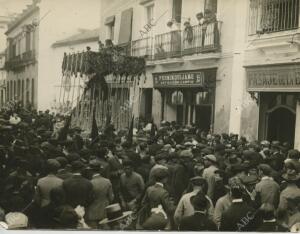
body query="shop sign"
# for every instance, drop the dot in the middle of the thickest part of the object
(272, 78)
(181, 79)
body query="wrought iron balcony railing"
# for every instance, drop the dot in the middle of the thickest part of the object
(201, 38)
(267, 16)
(20, 60)
(143, 48)
(191, 40)
(168, 45)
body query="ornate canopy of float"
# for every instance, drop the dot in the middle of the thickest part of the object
(95, 85)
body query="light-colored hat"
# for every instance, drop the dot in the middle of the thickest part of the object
(16, 220)
(3, 225)
(211, 158)
(114, 213)
(186, 154)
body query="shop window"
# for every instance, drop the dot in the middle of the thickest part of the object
(177, 98)
(202, 98)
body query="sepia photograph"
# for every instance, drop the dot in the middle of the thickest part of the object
(150, 115)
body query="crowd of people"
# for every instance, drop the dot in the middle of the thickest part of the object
(166, 178)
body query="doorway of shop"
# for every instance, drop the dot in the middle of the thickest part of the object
(281, 124)
(148, 96)
(203, 117)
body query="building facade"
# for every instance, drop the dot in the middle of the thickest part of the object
(271, 63)
(190, 66)
(21, 57)
(4, 19)
(32, 71)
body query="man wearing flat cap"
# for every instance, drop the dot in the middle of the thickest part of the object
(210, 162)
(103, 195)
(199, 220)
(46, 184)
(160, 164)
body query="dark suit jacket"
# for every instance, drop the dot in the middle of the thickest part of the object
(197, 222)
(239, 217)
(79, 191)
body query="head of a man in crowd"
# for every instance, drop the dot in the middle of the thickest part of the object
(52, 166)
(161, 158)
(77, 167)
(293, 204)
(128, 167)
(275, 146)
(199, 184)
(101, 152)
(161, 176)
(199, 202)
(95, 167)
(209, 160)
(293, 154)
(264, 170)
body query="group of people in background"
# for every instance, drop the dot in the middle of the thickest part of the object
(168, 178)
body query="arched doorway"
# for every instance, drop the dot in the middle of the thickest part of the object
(281, 124)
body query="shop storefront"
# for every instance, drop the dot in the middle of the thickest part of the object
(277, 89)
(187, 96)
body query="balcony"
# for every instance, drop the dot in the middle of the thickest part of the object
(268, 16)
(142, 48)
(201, 39)
(168, 45)
(20, 61)
(197, 39)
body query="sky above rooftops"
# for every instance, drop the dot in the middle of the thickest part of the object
(9, 7)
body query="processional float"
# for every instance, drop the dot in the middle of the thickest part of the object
(95, 86)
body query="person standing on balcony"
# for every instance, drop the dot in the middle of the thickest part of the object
(188, 35)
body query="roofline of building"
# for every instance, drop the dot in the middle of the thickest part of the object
(74, 42)
(21, 18)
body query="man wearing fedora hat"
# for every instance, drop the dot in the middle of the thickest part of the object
(115, 219)
(291, 191)
(46, 184)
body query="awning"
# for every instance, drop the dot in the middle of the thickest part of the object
(125, 26)
(276, 78)
(110, 20)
